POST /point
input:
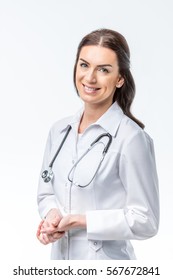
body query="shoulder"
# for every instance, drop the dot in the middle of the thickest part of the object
(128, 127)
(130, 133)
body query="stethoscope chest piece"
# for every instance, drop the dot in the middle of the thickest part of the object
(47, 175)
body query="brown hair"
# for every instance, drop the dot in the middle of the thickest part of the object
(115, 41)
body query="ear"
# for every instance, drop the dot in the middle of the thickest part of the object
(120, 82)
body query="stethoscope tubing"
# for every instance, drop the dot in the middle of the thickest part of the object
(47, 175)
(60, 146)
(76, 163)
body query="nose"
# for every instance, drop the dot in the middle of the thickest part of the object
(91, 77)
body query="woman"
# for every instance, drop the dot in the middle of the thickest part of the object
(94, 204)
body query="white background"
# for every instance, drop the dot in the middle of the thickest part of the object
(38, 42)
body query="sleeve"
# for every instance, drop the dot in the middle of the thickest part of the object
(45, 195)
(139, 219)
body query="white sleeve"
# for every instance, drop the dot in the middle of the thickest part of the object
(139, 219)
(45, 195)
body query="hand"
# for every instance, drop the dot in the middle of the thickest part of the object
(47, 229)
(72, 221)
(51, 221)
(54, 227)
(45, 238)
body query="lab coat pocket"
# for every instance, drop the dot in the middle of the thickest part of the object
(115, 249)
(96, 250)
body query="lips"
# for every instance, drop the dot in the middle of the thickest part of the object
(90, 89)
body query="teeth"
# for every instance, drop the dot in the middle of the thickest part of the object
(90, 89)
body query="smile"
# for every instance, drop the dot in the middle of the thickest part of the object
(90, 89)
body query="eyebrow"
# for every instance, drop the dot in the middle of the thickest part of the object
(101, 65)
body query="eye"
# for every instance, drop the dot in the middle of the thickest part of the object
(83, 65)
(103, 70)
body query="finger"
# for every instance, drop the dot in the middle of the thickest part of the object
(55, 236)
(49, 230)
(42, 239)
(39, 228)
(51, 238)
(45, 238)
(45, 224)
(58, 234)
(56, 221)
(47, 227)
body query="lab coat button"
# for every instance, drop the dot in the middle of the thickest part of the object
(95, 245)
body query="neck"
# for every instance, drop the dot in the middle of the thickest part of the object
(91, 115)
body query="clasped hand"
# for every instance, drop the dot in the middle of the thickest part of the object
(55, 225)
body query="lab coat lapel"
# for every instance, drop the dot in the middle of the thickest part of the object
(110, 121)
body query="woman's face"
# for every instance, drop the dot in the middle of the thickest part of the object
(97, 75)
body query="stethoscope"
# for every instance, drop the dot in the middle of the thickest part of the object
(47, 175)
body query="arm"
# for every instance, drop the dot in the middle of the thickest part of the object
(45, 195)
(47, 204)
(72, 221)
(139, 218)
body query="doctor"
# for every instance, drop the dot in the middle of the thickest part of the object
(92, 206)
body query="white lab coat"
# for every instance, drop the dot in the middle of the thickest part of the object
(122, 201)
